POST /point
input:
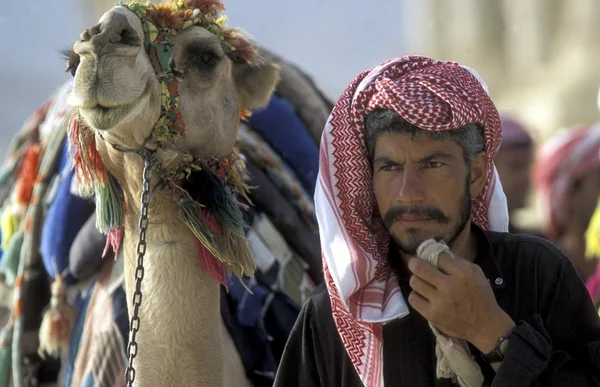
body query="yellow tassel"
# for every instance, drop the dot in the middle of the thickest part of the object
(59, 319)
(9, 224)
(592, 236)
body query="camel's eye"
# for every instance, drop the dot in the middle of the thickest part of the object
(209, 59)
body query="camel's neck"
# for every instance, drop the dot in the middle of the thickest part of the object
(180, 311)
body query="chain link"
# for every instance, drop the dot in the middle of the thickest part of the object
(134, 325)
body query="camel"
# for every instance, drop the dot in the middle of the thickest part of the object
(129, 114)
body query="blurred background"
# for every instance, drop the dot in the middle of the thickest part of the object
(537, 56)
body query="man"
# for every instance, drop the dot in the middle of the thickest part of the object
(567, 175)
(406, 156)
(513, 161)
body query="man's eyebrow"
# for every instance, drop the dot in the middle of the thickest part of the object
(436, 156)
(384, 160)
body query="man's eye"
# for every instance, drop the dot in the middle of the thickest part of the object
(433, 164)
(389, 167)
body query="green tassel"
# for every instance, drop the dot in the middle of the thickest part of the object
(225, 207)
(11, 258)
(190, 212)
(231, 248)
(242, 260)
(110, 211)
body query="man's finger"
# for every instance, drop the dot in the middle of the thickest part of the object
(426, 272)
(423, 288)
(449, 264)
(419, 303)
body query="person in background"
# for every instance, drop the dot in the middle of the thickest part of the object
(514, 162)
(567, 177)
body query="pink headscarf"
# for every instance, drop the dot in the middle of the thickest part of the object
(364, 294)
(562, 160)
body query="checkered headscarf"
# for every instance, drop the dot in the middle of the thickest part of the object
(432, 95)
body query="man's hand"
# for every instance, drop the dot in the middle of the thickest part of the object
(458, 300)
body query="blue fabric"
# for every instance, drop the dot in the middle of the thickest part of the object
(88, 381)
(285, 132)
(259, 325)
(65, 217)
(249, 305)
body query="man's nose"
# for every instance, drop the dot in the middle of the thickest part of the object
(412, 187)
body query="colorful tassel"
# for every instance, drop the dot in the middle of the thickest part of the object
(86, 159)
(58, 321)
(229, 247)
(110, 211)
(95, 179)
(27, 174)
(114, 238)
(225, 206)
(9, 223)
(209, 264)
(10, 262)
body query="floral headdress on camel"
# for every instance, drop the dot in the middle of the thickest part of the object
(217, 222)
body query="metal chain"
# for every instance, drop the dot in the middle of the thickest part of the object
(134, 324)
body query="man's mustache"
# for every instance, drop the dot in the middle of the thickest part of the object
(421, 212)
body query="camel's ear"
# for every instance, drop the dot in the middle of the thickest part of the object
(255, 83)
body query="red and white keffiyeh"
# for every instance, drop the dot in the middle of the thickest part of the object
(432, 95)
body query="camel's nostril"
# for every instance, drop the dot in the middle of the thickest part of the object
(130, 37)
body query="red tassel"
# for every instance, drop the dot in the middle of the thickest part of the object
(208, 262)
(211, 265)
(113, 239)
(29, 169)
(86, 159)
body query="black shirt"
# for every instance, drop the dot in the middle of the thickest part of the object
(556, 341)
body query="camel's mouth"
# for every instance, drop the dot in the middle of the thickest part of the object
(104, 117)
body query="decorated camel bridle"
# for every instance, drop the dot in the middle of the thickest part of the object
(217, 222)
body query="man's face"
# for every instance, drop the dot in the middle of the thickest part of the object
(422, 189)
(514, 168)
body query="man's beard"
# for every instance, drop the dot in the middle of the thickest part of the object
(410, 247)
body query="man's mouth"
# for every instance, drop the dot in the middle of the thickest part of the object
(413, 219)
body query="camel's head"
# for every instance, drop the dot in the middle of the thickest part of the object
(173, 70)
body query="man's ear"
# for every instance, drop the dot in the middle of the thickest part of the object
(255, 83)
(479, 173)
